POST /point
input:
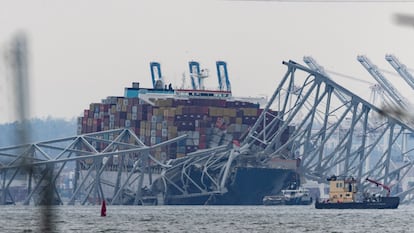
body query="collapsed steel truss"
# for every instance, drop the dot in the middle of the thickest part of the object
(337, 132)
(331, 130)
(40, 164)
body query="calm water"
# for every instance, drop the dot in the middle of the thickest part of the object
(208, 219)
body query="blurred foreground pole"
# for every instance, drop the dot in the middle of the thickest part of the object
(18, 62)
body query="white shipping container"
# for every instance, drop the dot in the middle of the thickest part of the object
(196, 135)
(189, 142)
(164, 132)
(215, 138)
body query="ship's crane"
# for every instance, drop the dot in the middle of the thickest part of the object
(380, 184)
(194, 74)
(156, 74)
(222, 75)
(392, 92)
(401, 69)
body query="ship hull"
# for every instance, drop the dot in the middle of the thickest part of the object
(382, 203)
(248, 186)
(291, 201)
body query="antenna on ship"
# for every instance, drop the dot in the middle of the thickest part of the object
(183, 81)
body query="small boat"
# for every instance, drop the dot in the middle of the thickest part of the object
(299, 196)
(343, 194)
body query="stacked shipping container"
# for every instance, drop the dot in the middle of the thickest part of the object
(207, 122)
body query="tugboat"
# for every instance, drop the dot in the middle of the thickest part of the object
(298, 196)
(343, 195)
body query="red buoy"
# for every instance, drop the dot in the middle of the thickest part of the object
(103, 209)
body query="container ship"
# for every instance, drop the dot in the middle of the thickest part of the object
(210, 119)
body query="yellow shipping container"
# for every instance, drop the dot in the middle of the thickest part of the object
(212, 111)
(169, 112)
(172, 129)
(179, 110)
(226, 119)
(249, 111)
(221, 111)
(239, 120)
(180, 155)
(172, 135)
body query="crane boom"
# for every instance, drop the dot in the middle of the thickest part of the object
(401, 69)
(392, 92)
(380, 184)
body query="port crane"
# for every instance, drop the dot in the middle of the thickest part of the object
(395, 98)
(401, 69)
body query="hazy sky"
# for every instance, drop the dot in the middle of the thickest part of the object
(84, 51)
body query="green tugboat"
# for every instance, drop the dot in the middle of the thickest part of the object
(343, 194)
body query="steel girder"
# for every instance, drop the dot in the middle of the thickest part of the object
(38, 167)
